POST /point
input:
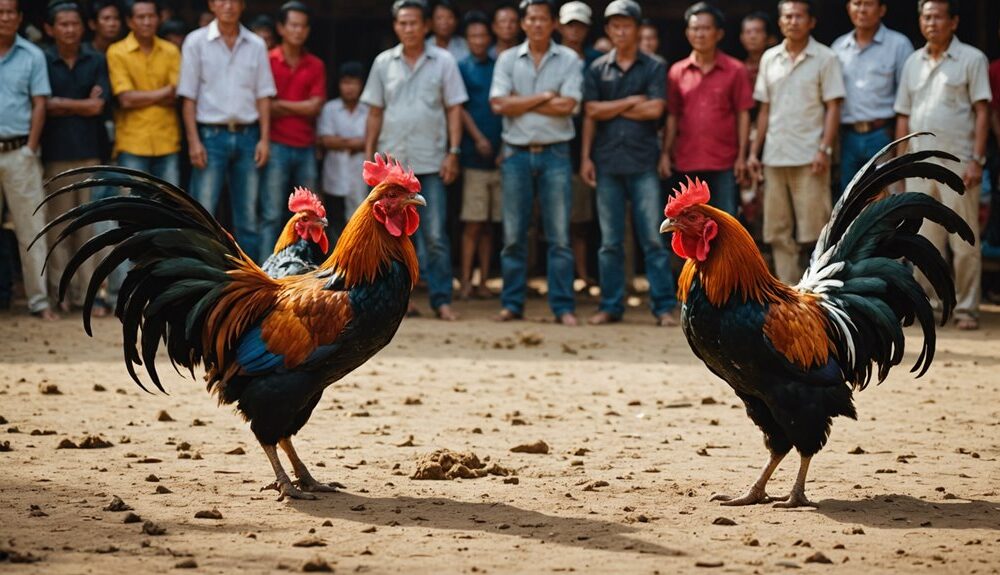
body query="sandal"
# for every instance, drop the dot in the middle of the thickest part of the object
(507, 315)
(603, 318)
(967, 323)
(670, 319)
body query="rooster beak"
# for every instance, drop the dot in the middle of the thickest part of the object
(667, 226)
(417, 200)
(323, 221)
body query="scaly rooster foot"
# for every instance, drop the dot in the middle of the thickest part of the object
(308, 483)
(796, 499)
(287, 489)
(753, 497)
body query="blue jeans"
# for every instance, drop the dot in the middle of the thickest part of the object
(523, 175)
(855, 150)
(722, 184)
(643, 190)
(432, 243)
(230, 159)
(288, 166)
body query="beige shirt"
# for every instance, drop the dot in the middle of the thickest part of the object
(796, 91)
(938, 96)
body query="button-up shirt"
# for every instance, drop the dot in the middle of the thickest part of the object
(478, 75)
(153, 130)
(797, 91)
(69, 138)
(707, 106)
(457, 47)
(343, 170)
(560, 72)
(24, 75)
(414, 123)
(226, 84)
(938, 96)
(621, 145)
(304, 81)
(871, 74)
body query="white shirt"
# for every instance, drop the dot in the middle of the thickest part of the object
(224, 83)
(342, 170)
(457, 46)
(871, 74)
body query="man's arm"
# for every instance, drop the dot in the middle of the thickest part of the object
(308, 108)
(665, 165)
(483, 145)
(515, 105)
(995, 123)
(588, 172)
(646, 111)
(196, 151)
(753, 159)
(373, 127)
(831, 122)
(342, 144)
(135, 99)
(602, 110)
(449, 167)
(973, 175)
(37, 122)
(557, 106)
(263, 149)
(86, 107)
(743, 133)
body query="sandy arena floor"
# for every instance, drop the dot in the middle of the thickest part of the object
(640, 434)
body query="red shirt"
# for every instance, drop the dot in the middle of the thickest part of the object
(307, 80)
(706, 106)
(995, 83)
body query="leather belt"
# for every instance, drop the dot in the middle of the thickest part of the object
(532, 148)
(230, 126)
(11, 144)
(868, 126)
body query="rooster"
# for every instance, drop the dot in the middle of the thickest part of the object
(794, 355)
(302, 245)
(269, 346)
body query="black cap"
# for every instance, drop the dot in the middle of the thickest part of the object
(352, 69)
(627, 8)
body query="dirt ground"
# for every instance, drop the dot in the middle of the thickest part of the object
(641, 435)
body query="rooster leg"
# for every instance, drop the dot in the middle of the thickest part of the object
(757, 493)
(281, 483)
(798, 495)
(305, 482)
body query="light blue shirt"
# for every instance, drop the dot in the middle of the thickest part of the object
(871, 74)
(23, 75)
(561, 71)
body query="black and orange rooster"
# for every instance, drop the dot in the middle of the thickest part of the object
(302, 245)
(269, 345)
(794, 355)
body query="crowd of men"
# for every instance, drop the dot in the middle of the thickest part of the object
(581, 131)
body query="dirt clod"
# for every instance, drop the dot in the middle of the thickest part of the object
(208, 514)
(447, 464)
(117, 505)
(150, 528)
(539, 447)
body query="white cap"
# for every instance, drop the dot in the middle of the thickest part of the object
(574, 12)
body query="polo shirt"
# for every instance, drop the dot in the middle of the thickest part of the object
(414, 100)
(70, 138)
(621, 145)
(153, 130)
(560, 72)
(871, 74)
(343, 171)
(477, 76)
(707, 106)
(224, 83)
(25, 75)
(797, 91)
(307, 80)
(457, 46)
(938, 97)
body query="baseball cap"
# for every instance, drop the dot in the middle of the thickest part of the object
(574, 12)
(627, 8)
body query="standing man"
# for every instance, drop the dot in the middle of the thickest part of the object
(945, 89)
(415, 96)
(71, 139)
(708, 118)
(537, 87)
(342, 134)
(506, 28)
(300, 79)
(872, 58)
(649, 38)
(481, 191)
(106, 24)
(444, 30)
(22, 99)
(227, 87)
(624, 95)
(755, 37)
(799, 88)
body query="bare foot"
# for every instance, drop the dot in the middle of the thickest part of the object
(603, 317)
(445, 313)
(482, 292)
(466, 292)
(966, 323)
(412, 311)
(507, 315)
(669, 319)
(46, 315)
(752, 497)
(568, 319)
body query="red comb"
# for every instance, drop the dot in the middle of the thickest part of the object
(303, 200)
(389, 170)
(692, 194)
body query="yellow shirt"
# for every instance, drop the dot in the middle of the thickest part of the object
(153, 130)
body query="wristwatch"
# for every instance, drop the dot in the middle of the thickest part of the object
(455, 150)
(828, 150)
(981, 160)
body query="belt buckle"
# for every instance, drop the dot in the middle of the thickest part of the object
(232, 126)
(863, 127)
(536, 148)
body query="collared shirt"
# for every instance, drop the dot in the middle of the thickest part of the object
(871, 74)
(153, 130)
(69, 138)
(226, 84)
(560, 72)
(457, 47)
(25, 75)
(797, 91)
(342, 170)
(478, 75)
(414, 123)
(938, 96)
(707, 106)
(305, 81)
(623, 146)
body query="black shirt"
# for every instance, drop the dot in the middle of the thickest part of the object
(71, 138)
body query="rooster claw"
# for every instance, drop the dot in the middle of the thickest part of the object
(311, 485)
(286, 489)
(751, 498)
(795, 500)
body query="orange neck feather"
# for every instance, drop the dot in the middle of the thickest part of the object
(366, 246)
(288, 235)
(734, 265)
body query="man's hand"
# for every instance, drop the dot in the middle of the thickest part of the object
(197, 154)
(973, 175)
(484, 148)
(664, 166)
(449, 169)
(740, 171)
(588, 172)
(755, 168)
(820, 163)
(261, 153)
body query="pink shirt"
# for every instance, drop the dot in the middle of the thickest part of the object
(706, 106)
